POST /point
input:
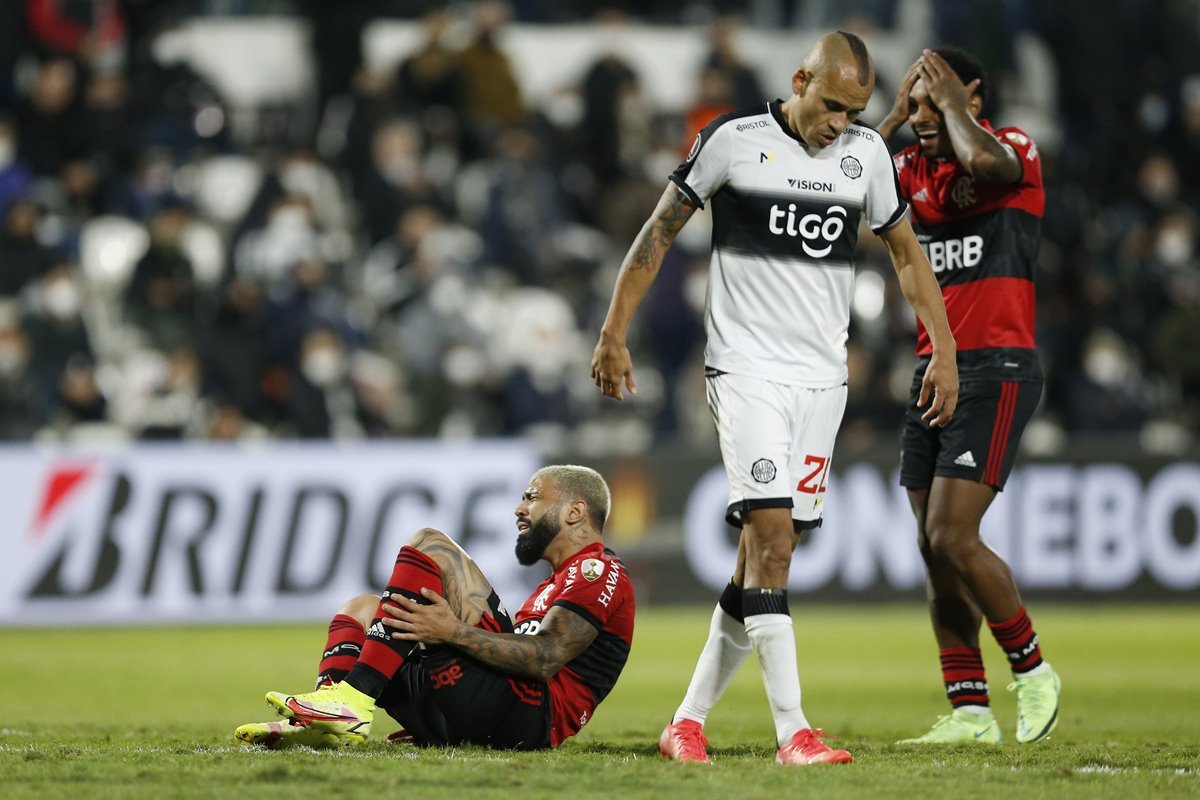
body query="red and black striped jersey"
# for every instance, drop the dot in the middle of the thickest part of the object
(982, 240)
(594, 584)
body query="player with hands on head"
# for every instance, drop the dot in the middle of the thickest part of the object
(788, 182)
(441, 655)
(977, 201)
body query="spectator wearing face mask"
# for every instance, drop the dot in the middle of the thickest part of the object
(268, 254)
(58, 337)
(173, 408)
(321, 403)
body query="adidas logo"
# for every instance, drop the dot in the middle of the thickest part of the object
(377, 631)
(922, 195)
(966, 460)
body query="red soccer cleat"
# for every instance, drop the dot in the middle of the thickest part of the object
(684, 741)
(806, 747)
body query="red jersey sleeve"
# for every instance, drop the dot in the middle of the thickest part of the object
(1019, 141)
(904, 173)
(1027, 153)
(595, 589)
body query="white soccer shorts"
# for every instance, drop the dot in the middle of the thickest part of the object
(776, 442)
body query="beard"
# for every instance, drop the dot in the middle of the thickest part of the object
(532, 543)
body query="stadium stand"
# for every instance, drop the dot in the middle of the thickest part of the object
(236, 219)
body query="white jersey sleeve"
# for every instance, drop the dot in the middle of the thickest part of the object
(706, 168)
(884, 204)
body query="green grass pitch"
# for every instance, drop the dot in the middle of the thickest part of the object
(150, 712)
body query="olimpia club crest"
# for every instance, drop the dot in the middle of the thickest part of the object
(852, 167)
(763, 470)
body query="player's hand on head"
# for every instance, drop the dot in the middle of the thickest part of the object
(612, 368)
(945, 88)
(900, 104)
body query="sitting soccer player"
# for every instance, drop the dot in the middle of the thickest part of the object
(477, 678)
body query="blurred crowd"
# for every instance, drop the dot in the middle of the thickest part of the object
(424, 252)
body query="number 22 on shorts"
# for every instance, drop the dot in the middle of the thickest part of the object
(814, 482)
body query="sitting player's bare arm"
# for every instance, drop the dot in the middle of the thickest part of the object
(464, 585)
(562, 636)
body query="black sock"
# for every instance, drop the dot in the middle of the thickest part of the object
(764, 601)
(731, 601)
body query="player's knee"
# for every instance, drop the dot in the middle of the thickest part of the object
(773, 559)
(945, 541)
(926, 549)
(425, 537)
(361, 608)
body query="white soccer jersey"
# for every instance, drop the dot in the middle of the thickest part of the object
(785, 221)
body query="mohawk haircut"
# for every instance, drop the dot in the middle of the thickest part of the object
(862, 59)
(967, 67)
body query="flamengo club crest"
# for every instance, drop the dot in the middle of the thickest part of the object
(963, 193)
(592, 568)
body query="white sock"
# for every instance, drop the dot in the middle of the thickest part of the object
(1038, 670)
(722, 656)
(775, 645)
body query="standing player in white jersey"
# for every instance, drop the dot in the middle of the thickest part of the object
(788, 182)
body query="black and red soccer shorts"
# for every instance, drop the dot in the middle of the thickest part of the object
(979, 443)
(444, 697)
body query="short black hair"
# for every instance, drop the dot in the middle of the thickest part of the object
(862, 59)
(967, 67)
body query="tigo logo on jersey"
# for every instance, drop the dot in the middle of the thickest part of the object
(592, 569)
(811, 227)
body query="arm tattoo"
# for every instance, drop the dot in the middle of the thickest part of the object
(562, 636)
(463, 583)
(672, 212)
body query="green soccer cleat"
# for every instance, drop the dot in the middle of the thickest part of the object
(961, 727)
(337, 708)
(283, 734)
(1037, 705)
